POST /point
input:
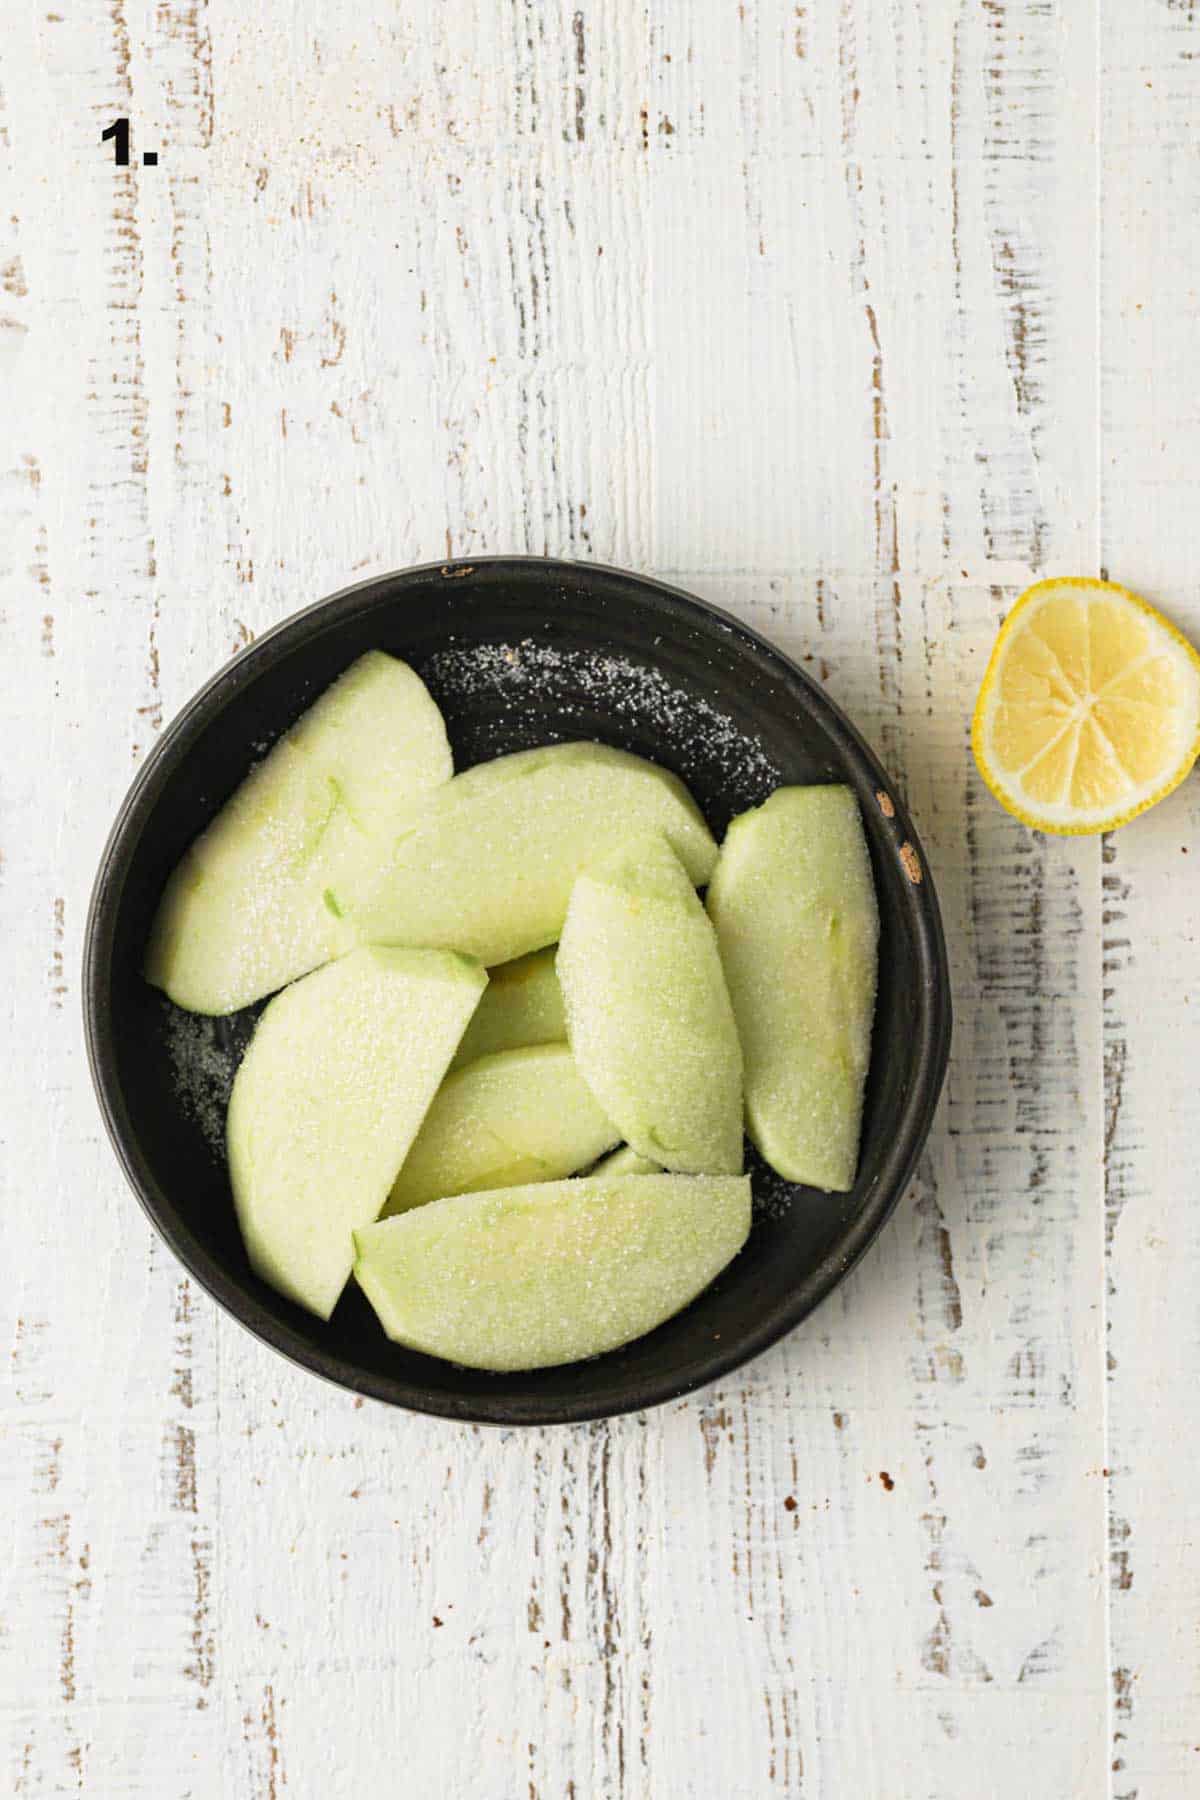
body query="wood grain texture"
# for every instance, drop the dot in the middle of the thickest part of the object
(852, 317)
(1151, 534)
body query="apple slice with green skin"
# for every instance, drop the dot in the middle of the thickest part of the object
(338, 1077)
(260, 897)
(797, 922)
(518, 1116)
(648, 1013)
(528, 1277)
(626, 1162)
(522, 1005)
(487, 863)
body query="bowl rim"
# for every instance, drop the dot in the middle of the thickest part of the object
(931, 1036)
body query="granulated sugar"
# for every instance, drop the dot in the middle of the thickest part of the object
(204, 1055)
(511, 682)
(774, 1195)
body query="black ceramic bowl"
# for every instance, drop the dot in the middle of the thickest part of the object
(519, 652)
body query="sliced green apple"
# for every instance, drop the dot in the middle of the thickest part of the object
(528, 1277)
(797, 922)
(262, 895)
(648, 1014)
(626, 1161)
(329, 1096)
(518, 1116)
(487, 862)
(522, 1005)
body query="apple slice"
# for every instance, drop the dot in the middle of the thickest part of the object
(626, 1162)
(486, 864)
(648, 1014)
(522, 1005)
(339, 1074)
(518, 1116)
(261, 895)
(794, 906)
(526, 1277)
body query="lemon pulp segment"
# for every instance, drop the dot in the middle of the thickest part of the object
(1090, 708)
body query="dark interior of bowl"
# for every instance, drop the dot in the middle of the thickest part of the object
(520, 653)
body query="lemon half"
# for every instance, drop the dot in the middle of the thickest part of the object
(1090, 708)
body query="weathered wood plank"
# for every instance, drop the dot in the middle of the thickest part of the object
(110, 1423)
(1150, 193)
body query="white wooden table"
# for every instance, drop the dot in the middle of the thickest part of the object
(854, 316)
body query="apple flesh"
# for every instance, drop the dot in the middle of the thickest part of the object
(487, 862)
(262, 895)
(626, 1162)
(522, 1005)
(794, 906)
(329, 1096)
(528, 1277)
(516, 1117)
(649, 1018)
